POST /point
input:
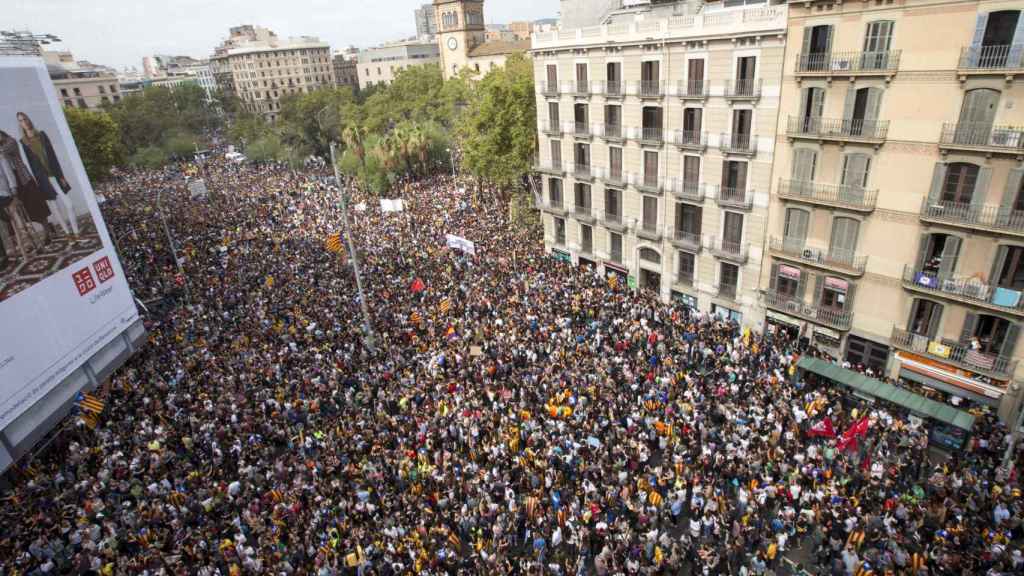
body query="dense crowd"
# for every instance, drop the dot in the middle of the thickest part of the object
(515, 416)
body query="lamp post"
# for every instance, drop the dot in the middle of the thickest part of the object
(451, 158)
(170, 242)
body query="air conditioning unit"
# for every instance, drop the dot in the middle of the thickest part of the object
(811, 254)
(842, 64)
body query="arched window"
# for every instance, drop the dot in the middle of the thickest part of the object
(650, 255)
(977, 115)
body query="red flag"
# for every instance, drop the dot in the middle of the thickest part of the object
(822, 428)
(417, 286)
(860, 428)
(849, 439)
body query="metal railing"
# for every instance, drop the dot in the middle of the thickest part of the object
(730, 197)
(611, 88)
(649, 183)
(582, 88)
(840, 320)
(651, 134)
(581, 129)
(743, 88)
(684, 278)
(686, 190)
(690, 240)
(692, 89)
(583, 171)
(548, 166)
(549, 88)
(735, 251)
(613, 217)
(738, 142)
(616, 177)
(691, 139)
(853, 197)
(797, 249)
(1005, 57)
(995, 217)
(961, 288)
(583, 211)
(611, 131)
(649, 230)
(651, 89)
(549, 127)
(1002, 367)
(983, 135)
(840, 128)
(845, 62)
(727, 291)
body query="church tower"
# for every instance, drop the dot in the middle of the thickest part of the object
(460, 29)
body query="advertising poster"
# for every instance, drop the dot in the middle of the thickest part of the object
(63, 294)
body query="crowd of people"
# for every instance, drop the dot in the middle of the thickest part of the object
(512, 414)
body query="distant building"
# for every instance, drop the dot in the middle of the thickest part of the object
(380, 65)
(81, 84)
(204, 77)
(521, 30)
(498, 33)
(260, 68)
(160, 65)
(426, 24)
(346, 71)
(462, 38)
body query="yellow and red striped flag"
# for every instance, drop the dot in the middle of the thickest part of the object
(333, 243)
(416, 317)
(445, 305)
(90, 403)
(613, 281)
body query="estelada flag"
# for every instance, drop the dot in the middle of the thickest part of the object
(417, 286)
(822, 428)
(333, 243)
(90, 403)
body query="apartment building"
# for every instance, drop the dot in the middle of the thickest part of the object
(80, 84)
(346, 71)
(657, 135)
(379, 65)
(260, 68)
(896, 227)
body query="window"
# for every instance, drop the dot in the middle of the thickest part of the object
(695, 76)
(1008, 271)
(582, 83)
(877, 43)
(855, 170)
(745, 70)
(102, 89)
(81, 103)
(649, 77)
(650, 168)
(691, 174)
(687, 266)
(613, 72)
(582, 155)
(552, 72)
(688, 221)
(924, 318)
(795, 231)
(612, 205)
(555, 191)
(805, 162)
(938, 254)
(615, 246)
(586, 238)
(692, 121)
(615, 163)
(582, 195)
(833, 294)
(812, 104)
(728, 279)
(734, 179)
(64, 92)
(650, 255)
(732, 235)
(556, 154)
(553, 116)
(861, 111)
(990, 334)
(78, 91)
(650, 222)
(559, 231)
(741, 127)
(582, 118)
(844, 239)
(651, 121)
(958, 186)
(977, 114)
(787, 281)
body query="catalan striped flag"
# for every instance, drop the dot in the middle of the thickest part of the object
(654, 498)
(532, 505)
(445, 305)
(176, 498)
(90, 403)
(613, 281)
(333, 243)
(453, 539)
(91, 420)
(416, 317)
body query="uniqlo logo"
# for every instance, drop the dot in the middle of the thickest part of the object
(84, 281)
(104, 271)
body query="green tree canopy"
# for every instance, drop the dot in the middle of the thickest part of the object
(98, 139)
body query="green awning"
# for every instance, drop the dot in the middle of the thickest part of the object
(876, 388)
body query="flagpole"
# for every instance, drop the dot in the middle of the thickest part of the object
(367, 327)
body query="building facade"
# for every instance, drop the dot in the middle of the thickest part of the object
(379, 66)
(426, 22)
(460, 29)
(896, 235)
(657, 137)
(81, 84)
(346, 70)
(260, 69)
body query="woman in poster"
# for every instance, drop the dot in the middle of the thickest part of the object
(24, 185)
(44, 164)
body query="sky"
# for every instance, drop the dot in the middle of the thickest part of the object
(119, 33)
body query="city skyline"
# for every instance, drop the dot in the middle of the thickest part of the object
(118, 33)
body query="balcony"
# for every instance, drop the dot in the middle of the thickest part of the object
(948, 352)
(728, 197)
(616, 178)
(692, 89)
(743, 90)
(581, 89)
(964, 291)
(649, 185)
(583, 172)
(992, 60)
(581, 130)
(983, 217)
(611, 88)
(837, 261)
(584, 214)
(550, 128)
(726, 250)
(613, 221)
(690, 241)
(840, 130)
(651, 89)
(738, 143)
(651, 136)
(726, 291)
(549, 89)
(691, 140)
(649, 231)
(684, 279)
(847, 64)
(834, 319)
(549, 167)
(611, 132)
(830, 195)
(687, 191)
(982, 137)
(553, 207)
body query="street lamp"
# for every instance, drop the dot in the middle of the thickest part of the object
(170, 242)
(451, 158)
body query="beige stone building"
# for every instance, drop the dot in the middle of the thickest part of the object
(81, 84)
(896, 234)
(378, 66)
(464, 41)
(260, 68)
(657, 135)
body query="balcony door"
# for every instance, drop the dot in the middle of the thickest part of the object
(794, 234)
(855, 177)
(843, 244)
(924, 318)
(615, 163)
(1008, 269)
(552, 71)
(651, 116)
(997, 40)
(817, 46)
(812, 104)
(977, 115)
(688, 220)
(612, 205)
(989, 335)
(691, 174)
(613, 120)
(553, 117)
(938, 255)
(834, 294)
(732, 231)
(695, 76)
(742, 121)
(650, 78)
(650, 168)
(877, 43)
(582, 83)
(692, 118)
(734, 180)
(960, 182)
(861, 111)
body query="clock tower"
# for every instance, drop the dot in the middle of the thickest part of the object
(460, 29)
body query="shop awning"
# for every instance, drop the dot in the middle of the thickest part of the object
(876, 388)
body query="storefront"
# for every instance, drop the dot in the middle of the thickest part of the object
(949, 379)
(828, 339)
(867, 353)
(685, 299)
(727, 313)
(587, 263)
(613, 270)
(783, 325)
(561, 255)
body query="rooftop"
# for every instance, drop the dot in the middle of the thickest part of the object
(500, 47)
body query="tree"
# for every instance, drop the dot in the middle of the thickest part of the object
(498, 127)
(98, 139)
(313, 120)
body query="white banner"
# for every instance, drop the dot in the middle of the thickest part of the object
(67, 297)
(391, 205)
(461, 243)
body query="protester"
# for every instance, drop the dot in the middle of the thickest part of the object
(513, 415)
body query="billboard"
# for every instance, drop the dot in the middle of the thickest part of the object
(63, 294)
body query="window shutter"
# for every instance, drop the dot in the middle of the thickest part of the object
(922, 251)
(851, 289)
(801, 286)
(979, 30)
(874, 104)
(806, 49)
(772, 280)
(819, 285)
(1010, 193)
(970, 324)
(851, 99)
(1010, 341)
(997, 265)
(817, 102)
(828, 39)
(938, 176)
(950, 253)
(1015, 45)
(933, 321)
(801, 228)
(915, 307)
(980, 193)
